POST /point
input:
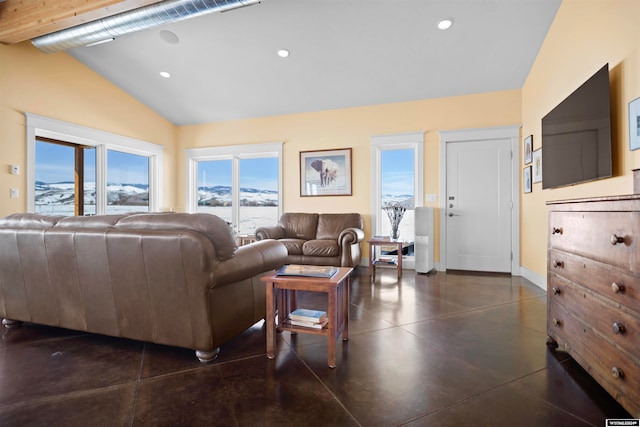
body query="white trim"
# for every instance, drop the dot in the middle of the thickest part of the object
(534, 278)
(234, 153)
(511, 133)
(40, 126)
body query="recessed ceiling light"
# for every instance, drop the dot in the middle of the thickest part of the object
(283, 53)
(165, 74)
(445, 24)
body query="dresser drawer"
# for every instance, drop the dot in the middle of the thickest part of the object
(620, 326)
(612, 368)
(611, 282)
(593, 234)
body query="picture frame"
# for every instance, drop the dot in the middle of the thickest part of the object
(537, 166)
(528, 149)
(325, 173)
(634, 124)
(526, 179)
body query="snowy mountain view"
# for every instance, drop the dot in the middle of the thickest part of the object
(58, 198)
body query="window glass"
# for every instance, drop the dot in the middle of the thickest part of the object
(58, 181)
(258, 193)
(398, 190)
(214, 188)
(127, 182)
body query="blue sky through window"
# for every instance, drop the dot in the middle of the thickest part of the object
(259, 173)
(397, 172)
(55, 163)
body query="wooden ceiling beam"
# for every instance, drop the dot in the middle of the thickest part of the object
(22, 20)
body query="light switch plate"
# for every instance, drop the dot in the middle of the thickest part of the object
(432, 197)
(14, 193)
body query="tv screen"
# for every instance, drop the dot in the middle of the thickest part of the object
(576, 135)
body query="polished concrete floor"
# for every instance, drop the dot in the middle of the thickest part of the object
(430, 350)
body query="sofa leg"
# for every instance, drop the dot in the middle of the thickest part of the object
(8, 323)
(207, 356)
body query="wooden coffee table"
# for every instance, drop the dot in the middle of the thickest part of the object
(281, 299)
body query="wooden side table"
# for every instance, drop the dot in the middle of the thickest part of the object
(281, 299)
(373, 261)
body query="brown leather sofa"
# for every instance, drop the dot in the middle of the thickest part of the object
(169, 278)
(318, 239)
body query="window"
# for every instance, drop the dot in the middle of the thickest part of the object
(73, 170)
(65, 178)
(397, 179)
(240, 184)
(127, 182)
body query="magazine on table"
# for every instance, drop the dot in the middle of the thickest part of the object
(307, 270)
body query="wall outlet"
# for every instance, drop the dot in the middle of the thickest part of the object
(15, 170)
(14, 193)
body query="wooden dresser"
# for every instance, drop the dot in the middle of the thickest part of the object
(593, 290)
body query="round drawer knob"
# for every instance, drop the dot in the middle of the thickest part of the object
(556, 291)
(558, 264)
(615, 239)
(617, 288)
(556, 230)
(557, 322)
(617, 372)
(618, 328)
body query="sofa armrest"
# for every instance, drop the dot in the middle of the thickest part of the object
(250, 260)
(275, 232)
(350, 236)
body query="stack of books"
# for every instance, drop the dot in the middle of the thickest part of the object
(315, 319)
(385, 260)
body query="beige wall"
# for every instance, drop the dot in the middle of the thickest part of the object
(352, 128)
(59, 87)
(584, 36)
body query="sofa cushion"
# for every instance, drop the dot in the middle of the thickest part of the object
(29, 220)
(213, 227)
(294, 246)
(331, 225)
(299, 225)
(93, 221)
(321, 248)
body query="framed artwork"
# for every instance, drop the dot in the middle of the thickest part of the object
(634, 124)
(325, 173)
(537, 165)
(526, 177)
(528, 149)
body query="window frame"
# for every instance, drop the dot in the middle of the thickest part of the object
(40, 126)
(380, 143)
(235, 153)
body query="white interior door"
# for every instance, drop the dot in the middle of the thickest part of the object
(478, 206)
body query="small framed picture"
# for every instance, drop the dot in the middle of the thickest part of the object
(526, 179)
(537, 165)
(528, 149)
(634, 124)
(325, 173)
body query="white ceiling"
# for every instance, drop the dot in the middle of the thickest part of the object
(344, 53)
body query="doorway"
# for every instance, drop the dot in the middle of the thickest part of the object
(479, 207)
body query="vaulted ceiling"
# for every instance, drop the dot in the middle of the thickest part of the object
(343, 53)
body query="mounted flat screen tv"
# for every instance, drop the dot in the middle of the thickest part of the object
(576, 135)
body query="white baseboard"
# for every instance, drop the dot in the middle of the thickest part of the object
(534, 278)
